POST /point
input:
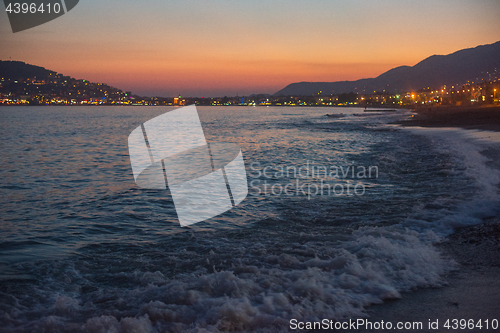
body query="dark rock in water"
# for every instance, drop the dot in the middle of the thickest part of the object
(335, 115)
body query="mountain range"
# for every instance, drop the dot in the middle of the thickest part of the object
(459, 67)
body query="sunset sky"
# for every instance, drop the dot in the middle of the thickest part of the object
(223, 47)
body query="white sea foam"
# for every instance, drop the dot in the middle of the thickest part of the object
(258, 294)
(467, 148)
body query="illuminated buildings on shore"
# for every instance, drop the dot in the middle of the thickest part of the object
(56, 89)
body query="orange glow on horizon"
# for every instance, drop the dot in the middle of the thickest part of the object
(246, 78)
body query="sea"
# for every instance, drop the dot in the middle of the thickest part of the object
(342, 212)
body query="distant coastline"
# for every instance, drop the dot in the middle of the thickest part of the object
(25, 84)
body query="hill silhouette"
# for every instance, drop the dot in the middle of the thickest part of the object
(18, 70)
(456, 68)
